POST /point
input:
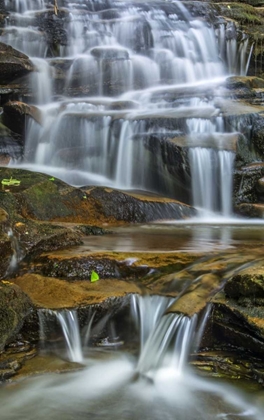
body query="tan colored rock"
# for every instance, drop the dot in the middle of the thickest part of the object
(52, 293)
(251, 209)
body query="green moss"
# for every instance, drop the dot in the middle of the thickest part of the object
(43, 201)
(242, 13)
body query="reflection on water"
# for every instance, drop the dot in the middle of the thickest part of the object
(178, 238)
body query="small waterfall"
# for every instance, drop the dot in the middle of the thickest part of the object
(27, 40)
(17, 252)
(172, 330)
(211, 167)
(212, 180)
(68, 321)
(42, 81)
(147, 311)
(165, 338)
(233, 51)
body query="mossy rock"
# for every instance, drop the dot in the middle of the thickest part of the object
(244, 14)
(248, 283)
(14, 307)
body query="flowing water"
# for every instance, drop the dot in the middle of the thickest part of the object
(126, 67)
(116, 385)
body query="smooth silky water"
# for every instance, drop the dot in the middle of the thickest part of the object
(92, 140)
(154, 380)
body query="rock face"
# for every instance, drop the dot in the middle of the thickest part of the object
(13, 64)
(14, 307)
(16, 113)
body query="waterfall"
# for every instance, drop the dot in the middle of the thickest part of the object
(147, 312)
(69, 325)
(212, 180)
(113, 82)
(42, 81)
(211, 168)
(166, 339)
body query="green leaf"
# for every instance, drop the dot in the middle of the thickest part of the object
(52, 179)
(94, 277)
(11, 181)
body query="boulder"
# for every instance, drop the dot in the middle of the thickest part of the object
(13, 64)
(16, 113)
(44, 198)
(251, 210)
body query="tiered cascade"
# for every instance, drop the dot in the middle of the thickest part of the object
(114, 101)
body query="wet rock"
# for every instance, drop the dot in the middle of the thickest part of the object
(196, 296)
(251, 210)
(78, 264)
(53, 27)
(53, 293)
(110, 14)
(5, 243)
(81, 267)
(110, 53)
(14, 307)
(248, 283)
(10, 145)
(238, 327)
(246, 183)
(13, 64)
(6, 253)
(43, 198)
(243, 13)
(228, 365)
(121, 105)
(260, 188)
(16, 114)
(209, 11)
(244, 82)
(135, 208)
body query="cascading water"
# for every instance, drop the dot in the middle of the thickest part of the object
(120, 387)
(211, 169)
(122, 64)
(68, 322)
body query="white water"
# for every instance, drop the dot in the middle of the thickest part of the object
(69, 324)
(117, 386)
(124, 71)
